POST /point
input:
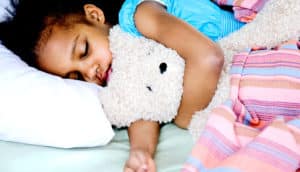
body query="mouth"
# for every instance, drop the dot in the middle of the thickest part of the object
(106, 75)
(103, 78)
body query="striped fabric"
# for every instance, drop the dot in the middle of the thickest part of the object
(244, 10)
(258, 128)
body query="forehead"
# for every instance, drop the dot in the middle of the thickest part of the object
(55, 34)
(55, 24)
(55, 49)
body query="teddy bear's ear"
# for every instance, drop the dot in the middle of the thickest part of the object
(122, 43)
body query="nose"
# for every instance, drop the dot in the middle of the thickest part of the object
(89, 70)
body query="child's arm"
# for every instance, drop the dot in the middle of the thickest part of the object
(204, 59)
(143, 137)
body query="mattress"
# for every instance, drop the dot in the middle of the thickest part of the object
(174, 146)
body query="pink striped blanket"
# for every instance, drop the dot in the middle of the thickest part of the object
(244, 10)
(258, 128)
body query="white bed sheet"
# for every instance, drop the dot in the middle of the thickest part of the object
(174, 146)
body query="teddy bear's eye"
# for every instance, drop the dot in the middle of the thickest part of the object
(163, 67)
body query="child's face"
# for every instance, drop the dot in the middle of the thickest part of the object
(79, 52)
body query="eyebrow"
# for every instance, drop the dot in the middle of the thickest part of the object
(74, 46)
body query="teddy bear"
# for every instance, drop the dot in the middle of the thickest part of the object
(146, 80)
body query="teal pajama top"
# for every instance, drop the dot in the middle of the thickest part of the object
(204, 15)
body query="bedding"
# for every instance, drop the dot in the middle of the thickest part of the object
(243, 134)
(244, 10)
(42, 109)
(173, 148)
(258, 127)
(275, 23)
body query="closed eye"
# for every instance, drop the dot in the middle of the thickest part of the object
(86, 50)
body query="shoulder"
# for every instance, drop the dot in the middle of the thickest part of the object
(148, 17)
(128, 12)
(151, 6)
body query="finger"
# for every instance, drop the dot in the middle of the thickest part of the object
(151, 166)
(126, 169)
(133, 164)
(143, 168)
(136, 161)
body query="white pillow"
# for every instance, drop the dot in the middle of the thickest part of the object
(42, 109)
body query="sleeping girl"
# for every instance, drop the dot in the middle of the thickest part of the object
(69, 38)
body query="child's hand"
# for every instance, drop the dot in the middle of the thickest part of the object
(139, 161)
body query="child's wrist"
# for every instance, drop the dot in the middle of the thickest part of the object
(144, 149)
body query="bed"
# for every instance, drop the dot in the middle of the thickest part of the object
(174, 144)
(17, 157)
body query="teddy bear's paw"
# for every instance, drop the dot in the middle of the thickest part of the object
(198, 123)
(199, 119)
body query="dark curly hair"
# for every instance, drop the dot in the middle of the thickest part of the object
(22, 33)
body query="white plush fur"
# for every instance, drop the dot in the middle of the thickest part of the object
(137, 89)
(278, 21)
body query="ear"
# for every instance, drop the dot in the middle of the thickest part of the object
(93, 13)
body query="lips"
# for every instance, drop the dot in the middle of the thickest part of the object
(107, 74)
(102, 78)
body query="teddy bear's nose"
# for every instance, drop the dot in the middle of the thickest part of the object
(163, 67)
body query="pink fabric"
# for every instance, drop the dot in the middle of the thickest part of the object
(244, 10)
(258, 128)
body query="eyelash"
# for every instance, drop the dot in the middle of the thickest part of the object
(86, 50)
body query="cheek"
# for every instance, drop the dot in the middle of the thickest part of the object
(108, 58)
(101, 51)
(104, 56)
